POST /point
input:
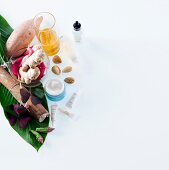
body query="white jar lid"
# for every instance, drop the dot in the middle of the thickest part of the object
(54, 87)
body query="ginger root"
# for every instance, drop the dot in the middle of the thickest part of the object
(29, 70)
(31, 74)
(36, 47)
(35, 59)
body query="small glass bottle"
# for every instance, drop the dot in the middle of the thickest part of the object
(77, 31)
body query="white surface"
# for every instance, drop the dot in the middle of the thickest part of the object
(123, 112)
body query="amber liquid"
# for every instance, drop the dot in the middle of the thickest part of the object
(49, 41)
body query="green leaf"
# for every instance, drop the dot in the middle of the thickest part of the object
(2, 51)
(5, 32)
(38, 91)
(7, 99)
(5, 28)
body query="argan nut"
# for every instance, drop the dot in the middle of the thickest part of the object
(69, 80)
(67, 69)
(56, 70)
(56, 59)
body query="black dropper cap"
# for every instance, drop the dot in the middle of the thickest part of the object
(77, 26)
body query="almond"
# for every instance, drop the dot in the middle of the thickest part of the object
(69, 80)
(56, 59)
(56, 70)
(67, 69)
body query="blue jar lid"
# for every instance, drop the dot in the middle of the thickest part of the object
(55, 90)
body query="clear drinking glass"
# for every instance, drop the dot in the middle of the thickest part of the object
(46, 34)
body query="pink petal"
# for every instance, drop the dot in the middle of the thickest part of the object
(24, 121)
(50, 129)
(29, 51)
(25, 94)
(12, 120)
(17, 108)
(42, 69)
(40, 140)
(35, 100)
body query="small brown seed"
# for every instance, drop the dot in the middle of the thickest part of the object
(56, 70)
(67, 69)
(57, 59)
(69, 80)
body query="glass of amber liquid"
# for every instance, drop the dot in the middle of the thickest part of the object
(44, 24)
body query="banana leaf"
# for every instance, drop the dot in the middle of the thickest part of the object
(7, 99)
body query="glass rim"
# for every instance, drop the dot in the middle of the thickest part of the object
(36, 16)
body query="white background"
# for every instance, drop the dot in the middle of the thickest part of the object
(123, 111)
